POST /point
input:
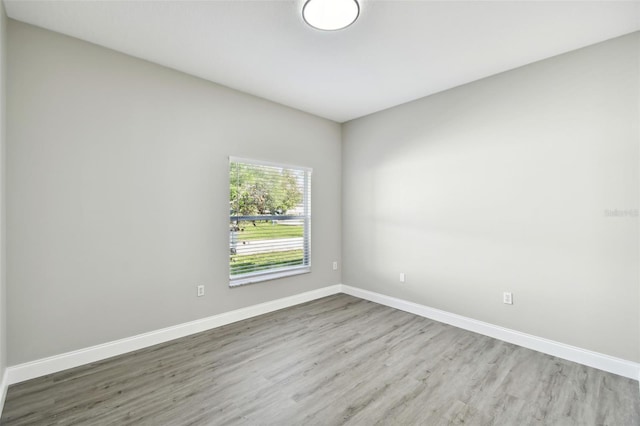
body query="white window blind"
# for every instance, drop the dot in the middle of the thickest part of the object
(269, 221)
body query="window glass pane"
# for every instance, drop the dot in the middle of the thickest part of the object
(269, 221)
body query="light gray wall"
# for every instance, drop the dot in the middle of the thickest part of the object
(117, 193)
(3, 286)
(502, 185)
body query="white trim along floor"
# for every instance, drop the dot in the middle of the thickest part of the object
(41, 367)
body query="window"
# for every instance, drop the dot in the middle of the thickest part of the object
(269, 221)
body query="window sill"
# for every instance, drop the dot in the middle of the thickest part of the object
(257, 278)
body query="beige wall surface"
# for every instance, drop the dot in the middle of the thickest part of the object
(524, 182)
(117, 193)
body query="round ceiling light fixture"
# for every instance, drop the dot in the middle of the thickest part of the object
(330, 15)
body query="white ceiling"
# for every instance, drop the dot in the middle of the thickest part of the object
(397, 51)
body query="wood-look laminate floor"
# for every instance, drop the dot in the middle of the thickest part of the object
(337, 360)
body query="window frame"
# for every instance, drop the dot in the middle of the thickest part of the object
(276, 273)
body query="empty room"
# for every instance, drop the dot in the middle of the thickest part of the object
(319, 212)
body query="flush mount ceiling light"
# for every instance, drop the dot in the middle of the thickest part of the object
(330, 15)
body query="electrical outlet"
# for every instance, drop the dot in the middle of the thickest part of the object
(402, 277)
(335, 265)
(200, 290)
(507, 298)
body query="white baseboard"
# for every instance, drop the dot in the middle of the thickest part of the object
(582, 356)
(42, 367)
(4, 385)
(53, 364)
